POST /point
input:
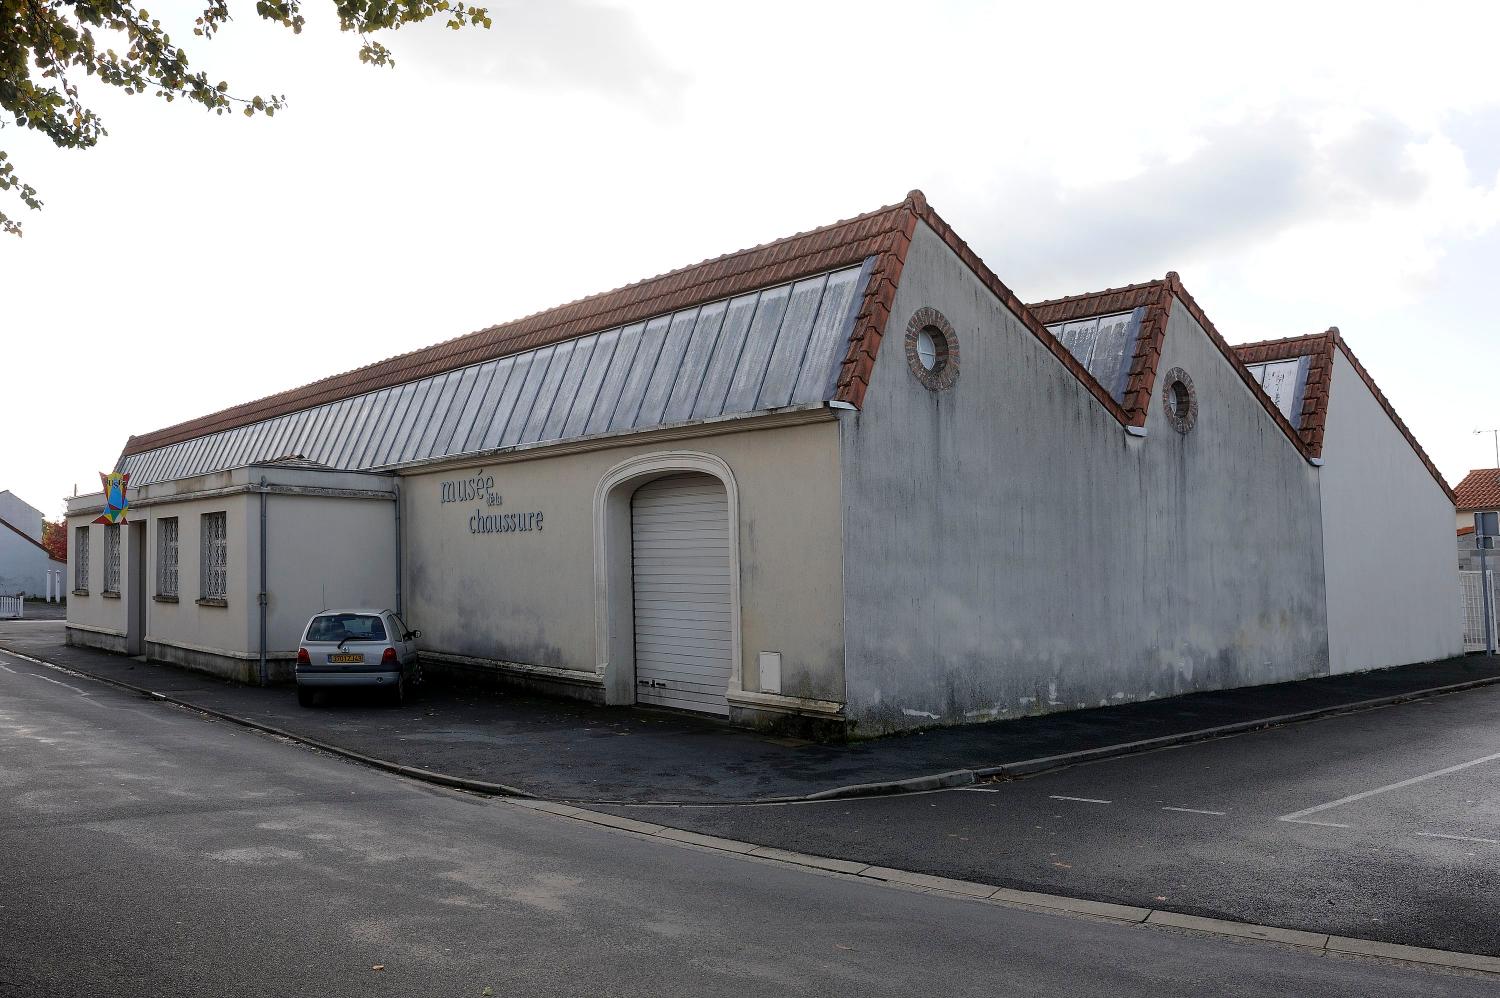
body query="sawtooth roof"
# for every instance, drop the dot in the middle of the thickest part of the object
(877, 241)
(1319, 348)
(880, 238)
(1156, 297)
(876, 233)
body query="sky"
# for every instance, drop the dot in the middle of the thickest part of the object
(1300, 165)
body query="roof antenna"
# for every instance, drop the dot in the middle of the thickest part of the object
(1496, 434)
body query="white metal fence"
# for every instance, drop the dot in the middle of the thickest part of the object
(12, 607)
(1475, 610)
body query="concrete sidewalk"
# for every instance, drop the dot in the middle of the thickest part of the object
(577, 752)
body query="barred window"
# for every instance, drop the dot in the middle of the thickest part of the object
(166, 556)
(213, 550)
(111, 558)
(81, 559)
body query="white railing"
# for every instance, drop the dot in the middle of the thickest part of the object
(12, 607)
(1475, 610)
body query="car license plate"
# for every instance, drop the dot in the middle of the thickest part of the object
(348, 658)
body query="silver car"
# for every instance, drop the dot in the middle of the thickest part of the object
(352, 648)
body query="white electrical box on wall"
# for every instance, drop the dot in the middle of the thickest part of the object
(770, 672)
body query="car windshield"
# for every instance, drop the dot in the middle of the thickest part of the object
(346, 627)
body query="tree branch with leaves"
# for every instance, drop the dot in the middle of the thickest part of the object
(48, 46)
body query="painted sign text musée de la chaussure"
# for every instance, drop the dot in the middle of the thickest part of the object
(480, 488)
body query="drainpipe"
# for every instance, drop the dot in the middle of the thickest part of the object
(262, 597)
(400, 610)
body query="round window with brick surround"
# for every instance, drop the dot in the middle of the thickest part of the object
(1179, 400)
(932, 349)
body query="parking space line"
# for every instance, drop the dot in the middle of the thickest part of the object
(1193, 810)
(1321, 824)
(1081, 800)
(1295, 815)
(981, 790)
(1458, 838)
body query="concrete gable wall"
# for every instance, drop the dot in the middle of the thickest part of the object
(1010, 549)
(1387, 527)
(21, 515)
(23, 565)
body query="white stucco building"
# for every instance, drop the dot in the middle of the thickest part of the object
(846, 477)
(25, 565)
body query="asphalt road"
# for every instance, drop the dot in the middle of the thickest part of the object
(150, 851)
(1383, 824)
(577, 751)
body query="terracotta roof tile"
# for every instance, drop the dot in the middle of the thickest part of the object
(1390, 411)
(1008, 298)
(1094, 303)
(884, 234)
(1480, 489)
(815, 251)
(1319, 347)
(1156, 297)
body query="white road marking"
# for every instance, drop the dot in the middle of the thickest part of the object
(1459, 838)
(1322, 824)
(1193, 810)
(33, 675)
(982, 790)
(1081, 800)
(1386, 789)
(65, 686)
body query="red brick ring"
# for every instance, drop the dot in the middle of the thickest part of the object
(944, 370)
(1179, 400)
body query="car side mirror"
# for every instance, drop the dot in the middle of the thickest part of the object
(412, 634)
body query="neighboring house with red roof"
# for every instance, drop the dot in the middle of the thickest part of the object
(845, 478)
(1479, 492)
(24, 562)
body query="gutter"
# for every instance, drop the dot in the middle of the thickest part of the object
(400, 610)
(263, 597)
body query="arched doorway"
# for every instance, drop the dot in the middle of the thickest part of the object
(680, 509)
(680, 584)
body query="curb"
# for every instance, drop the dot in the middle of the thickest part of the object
(1031, 767)
(1044, 764)
(1316, 942)
(919, 784)
(907, 879)
(883, 788)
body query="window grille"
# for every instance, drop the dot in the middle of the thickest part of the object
(166, 556)
(81, 559)
(112, 557)
(213, 548)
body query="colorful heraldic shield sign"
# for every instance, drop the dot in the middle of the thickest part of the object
(115, 502)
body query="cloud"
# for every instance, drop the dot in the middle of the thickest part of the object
(1372, 160)
(558, 45)
(1477, 133)
(1237, 185)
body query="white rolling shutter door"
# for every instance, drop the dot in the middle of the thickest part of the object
(683, 647)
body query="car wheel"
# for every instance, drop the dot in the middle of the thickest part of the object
(304, 696)
(398, 692)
